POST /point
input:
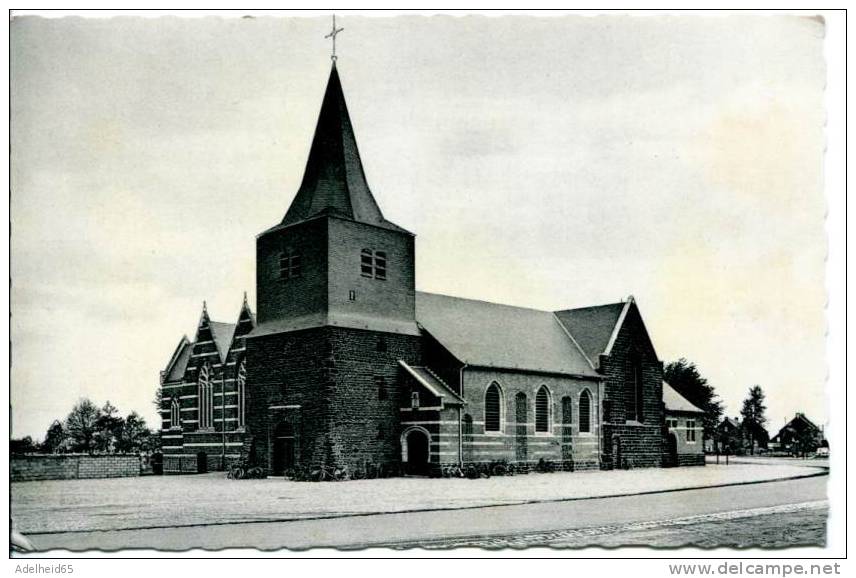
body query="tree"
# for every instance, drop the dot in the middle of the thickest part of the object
(81, 425)
(134, 435)
(108, 428)
(753, 416)
(158, 400)
(25, 445)
(56, 439)
(684, 378)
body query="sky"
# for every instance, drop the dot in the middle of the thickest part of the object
(547, 162)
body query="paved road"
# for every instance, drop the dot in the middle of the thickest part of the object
(413, 529)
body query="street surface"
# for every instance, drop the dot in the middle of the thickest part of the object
(195, 500)
(765, 511)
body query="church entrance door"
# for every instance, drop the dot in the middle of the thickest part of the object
(201, 463)
(283, 449)
(672, 446)
(417, 458)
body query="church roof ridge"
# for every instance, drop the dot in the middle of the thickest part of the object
(482, 301)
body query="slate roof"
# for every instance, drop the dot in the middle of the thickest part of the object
(799, 423)
(222, 334)
(334, 182)
(178, 363)
(502, 336)
(432, 383)
(674, 401)
(592, 327)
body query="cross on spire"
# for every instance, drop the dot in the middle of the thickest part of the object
(332, 35)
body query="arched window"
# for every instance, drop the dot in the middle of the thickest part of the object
(205, 398)
(521, 412)
(567, 428)
(414, 400)
(380, 382)
(634, 391)
(542, 410)
(468, 437)
(492, 408)
(242, 399)
(175, 413)
(640, 391)
(585, 412)
(567, 411)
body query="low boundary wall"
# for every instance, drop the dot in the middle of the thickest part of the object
(34, 467)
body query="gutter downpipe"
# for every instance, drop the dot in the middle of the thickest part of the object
(461, 423)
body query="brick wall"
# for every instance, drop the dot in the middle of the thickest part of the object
(72, 467)
(519, 442)
(687, 452)
(364, 427)
(391, 299)
(323, 382)
(629, 443)
(305, 295)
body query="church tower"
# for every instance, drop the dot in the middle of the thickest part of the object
(335, 287)
(334, 259)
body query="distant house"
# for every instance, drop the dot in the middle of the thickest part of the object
(683, 445)
(798, 436)
(733, 437)
(729, 436)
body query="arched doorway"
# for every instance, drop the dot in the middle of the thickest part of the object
(283, 448)
(415, 445)
(156, 462)
(672, 450)
(201, 463)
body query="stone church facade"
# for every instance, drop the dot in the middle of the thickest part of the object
(345, 364)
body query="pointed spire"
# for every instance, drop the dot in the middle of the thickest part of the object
(245, 300)
(334, 182)
(204, 319)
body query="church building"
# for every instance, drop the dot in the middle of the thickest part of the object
(345, 364)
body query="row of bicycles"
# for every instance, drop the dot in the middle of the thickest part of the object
(244, 472)
(370, 471)
(502, 468)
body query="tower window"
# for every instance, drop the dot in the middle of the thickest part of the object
(290, 265)
(366, 269)
(373, 264)
(380, 265)
(380, 382)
